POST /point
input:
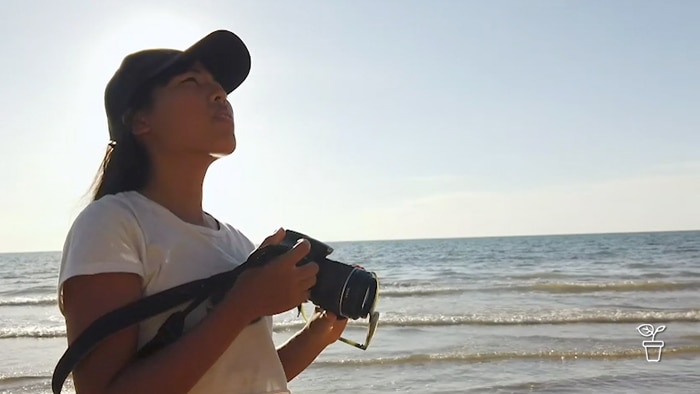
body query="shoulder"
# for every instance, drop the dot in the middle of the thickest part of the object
(113, 205)
(110, 211)
(104, 237)
(111, 220)
(237, 238)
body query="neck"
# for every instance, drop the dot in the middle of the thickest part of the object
(176, 184)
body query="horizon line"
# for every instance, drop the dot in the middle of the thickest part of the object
(459, 237)
(523, 235)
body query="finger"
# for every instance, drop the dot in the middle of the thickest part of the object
(300, 299)
(331, 316)
(308, 270)
(298, 252)
(340, 324)
(308, 283)
(275, 238)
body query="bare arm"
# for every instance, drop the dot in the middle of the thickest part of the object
(299, 352)
(111, 367)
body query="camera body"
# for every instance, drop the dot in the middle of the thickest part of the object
(347, 291)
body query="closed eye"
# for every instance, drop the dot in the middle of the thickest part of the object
(193, 79)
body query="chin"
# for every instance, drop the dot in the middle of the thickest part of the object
(224, 148)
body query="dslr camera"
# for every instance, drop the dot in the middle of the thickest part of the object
(346, 290)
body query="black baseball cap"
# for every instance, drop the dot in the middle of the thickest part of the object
(222, 52)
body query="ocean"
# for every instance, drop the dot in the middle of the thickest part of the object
(546, 314)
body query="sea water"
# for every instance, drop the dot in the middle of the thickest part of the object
(550, 314)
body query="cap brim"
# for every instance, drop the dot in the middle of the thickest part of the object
(225, 56)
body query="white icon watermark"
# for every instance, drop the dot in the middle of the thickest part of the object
(653, 347)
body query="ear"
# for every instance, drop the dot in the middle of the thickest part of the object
(140, 124)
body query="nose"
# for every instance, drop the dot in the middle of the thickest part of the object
(218, 93)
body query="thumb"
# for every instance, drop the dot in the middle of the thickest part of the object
(274, 239)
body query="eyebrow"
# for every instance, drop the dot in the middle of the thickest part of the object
(193, 69)
(189, 70)
(197, 68)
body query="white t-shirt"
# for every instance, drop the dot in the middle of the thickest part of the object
(127, 232)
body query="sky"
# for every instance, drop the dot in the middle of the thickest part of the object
(371, 120)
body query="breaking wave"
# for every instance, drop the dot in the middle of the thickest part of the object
(582, 287)
(500, 356)
(509, 319)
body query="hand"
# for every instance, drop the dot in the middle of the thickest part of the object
(326, 326)
(279, 285)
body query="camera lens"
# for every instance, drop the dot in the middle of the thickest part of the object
(359, 294)
(344, 290)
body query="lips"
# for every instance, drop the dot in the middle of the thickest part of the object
(224, 114)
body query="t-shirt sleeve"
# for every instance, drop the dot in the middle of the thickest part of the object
(105, 237)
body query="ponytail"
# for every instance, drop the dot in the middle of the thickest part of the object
(125, 167)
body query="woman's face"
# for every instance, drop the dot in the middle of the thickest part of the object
(189, 116)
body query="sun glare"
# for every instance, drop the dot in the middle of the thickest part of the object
(146, 28)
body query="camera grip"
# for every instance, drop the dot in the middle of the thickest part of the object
(265, 254)
(268, 253)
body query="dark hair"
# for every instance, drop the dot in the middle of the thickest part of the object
(126, 165)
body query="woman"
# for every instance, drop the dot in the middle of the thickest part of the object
(145, 231)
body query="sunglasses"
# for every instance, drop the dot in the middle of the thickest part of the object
(371, 329)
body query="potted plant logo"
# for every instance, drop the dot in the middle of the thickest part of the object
(648, 331)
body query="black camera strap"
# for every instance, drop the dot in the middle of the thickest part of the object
(197, 291)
